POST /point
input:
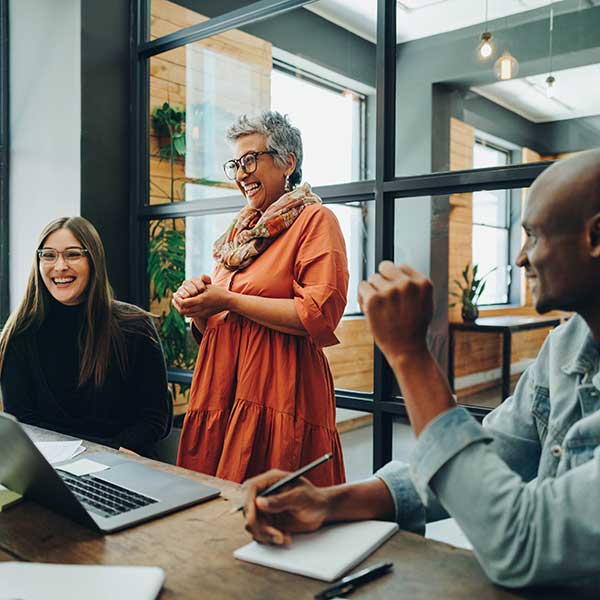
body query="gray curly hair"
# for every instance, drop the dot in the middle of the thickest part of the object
(281, 136)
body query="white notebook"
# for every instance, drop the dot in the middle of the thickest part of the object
(325, 554)
(36, 581)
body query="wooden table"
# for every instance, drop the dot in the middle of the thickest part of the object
(195, 546)
(504, 325)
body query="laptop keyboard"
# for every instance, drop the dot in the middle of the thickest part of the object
(104, 498)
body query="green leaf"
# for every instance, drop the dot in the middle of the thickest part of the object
(480, 292)
(179, 144)
(465, 274)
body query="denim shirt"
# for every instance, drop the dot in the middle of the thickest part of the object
(525, 486)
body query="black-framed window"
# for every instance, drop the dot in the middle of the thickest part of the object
(342, 109)
(491, 227)
(4, 157)
(419, 89)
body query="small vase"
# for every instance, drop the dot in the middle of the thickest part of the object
(469, 313)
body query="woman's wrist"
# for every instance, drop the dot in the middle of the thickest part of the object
(199, 324)
(230, 301)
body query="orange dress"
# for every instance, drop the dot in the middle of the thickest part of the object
(263, 399)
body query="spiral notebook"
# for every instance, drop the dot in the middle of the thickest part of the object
(325, 554)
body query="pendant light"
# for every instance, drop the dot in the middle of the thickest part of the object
(550, 80)
(485, 49)
(507, 66)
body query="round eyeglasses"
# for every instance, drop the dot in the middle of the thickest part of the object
(247, 162)
(70, 255)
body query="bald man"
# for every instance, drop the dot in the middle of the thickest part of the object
(525, 486)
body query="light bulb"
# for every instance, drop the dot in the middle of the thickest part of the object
(485, 48)
(506, 67)
(550, 86)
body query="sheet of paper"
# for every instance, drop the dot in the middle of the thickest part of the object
(83, 466)
(8, 498)
(448, 531)
(55, 452)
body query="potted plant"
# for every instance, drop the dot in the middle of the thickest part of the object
(471, 288)
(169, 124)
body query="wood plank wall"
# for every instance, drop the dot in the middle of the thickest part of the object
(351, 361)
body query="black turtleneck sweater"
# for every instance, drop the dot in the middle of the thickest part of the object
(40, 385)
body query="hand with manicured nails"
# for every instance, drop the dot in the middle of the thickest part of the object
(300, 507)
(191, 288)
(210, 301)
(398, 304)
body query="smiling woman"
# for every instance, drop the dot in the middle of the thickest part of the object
(262, 394)
(66, 272)
(75, 360)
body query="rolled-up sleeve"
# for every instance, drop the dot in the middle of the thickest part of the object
(442, 439)
(320, 283)
(409, 510)
(522, 533)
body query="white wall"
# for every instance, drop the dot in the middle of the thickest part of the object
(412, 233)
(45, 124)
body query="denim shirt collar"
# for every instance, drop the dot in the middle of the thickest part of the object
(587, 357)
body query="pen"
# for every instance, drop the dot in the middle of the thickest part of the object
(348, 584)
(289, 478)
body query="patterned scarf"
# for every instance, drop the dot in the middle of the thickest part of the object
(251, 232)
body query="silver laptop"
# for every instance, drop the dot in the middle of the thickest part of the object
(123, 495)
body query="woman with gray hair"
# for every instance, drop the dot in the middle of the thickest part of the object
(262, 395)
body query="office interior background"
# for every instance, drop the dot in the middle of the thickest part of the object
(421, 141)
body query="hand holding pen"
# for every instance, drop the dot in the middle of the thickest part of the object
(298, 507)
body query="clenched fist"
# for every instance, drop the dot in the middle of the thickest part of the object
(398, 303)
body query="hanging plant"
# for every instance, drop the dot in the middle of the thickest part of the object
(169, 124)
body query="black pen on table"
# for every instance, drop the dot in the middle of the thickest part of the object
(289, 478)
(348, 584)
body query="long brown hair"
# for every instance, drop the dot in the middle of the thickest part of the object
(106, 320)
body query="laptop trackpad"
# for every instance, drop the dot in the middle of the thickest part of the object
(145, 480)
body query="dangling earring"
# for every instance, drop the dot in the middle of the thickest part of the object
(288, 186)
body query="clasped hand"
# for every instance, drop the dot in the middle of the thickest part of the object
(198, 298)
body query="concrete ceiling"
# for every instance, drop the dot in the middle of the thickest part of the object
(419, 18)
(577, 90)
(576, 94)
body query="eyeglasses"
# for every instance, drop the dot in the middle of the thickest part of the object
(70, 255)
(247, 162)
